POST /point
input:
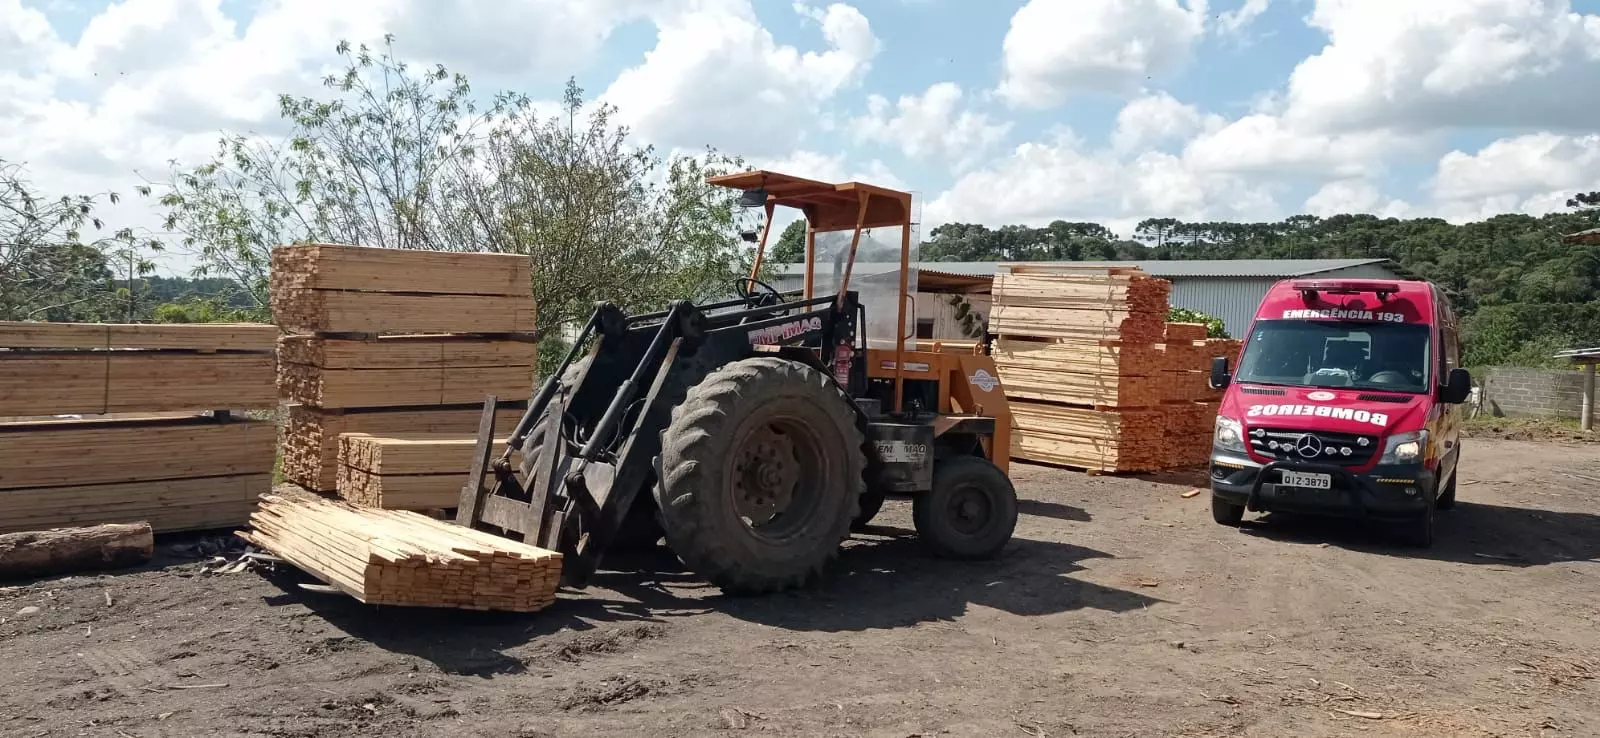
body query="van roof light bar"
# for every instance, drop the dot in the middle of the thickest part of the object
(1310, 288)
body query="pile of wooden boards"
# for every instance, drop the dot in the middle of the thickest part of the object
(394, 557)
(404, 472)
(127, 423)
(1096, 376)
(395, 341)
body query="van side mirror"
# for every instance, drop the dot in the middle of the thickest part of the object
(1457, 387)
(1220, 377)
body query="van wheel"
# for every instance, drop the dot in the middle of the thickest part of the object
(1419, 532)
(1226, 513)
(1447, 496)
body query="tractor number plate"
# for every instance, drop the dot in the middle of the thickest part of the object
(902, 452)
(1306, 480)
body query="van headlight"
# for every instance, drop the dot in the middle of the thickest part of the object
(1229, 435)
(1404, 448)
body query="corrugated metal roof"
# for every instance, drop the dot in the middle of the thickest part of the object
(1274, 268)
(1590, 236)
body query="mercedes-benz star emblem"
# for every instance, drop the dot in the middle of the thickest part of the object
(1309, 446)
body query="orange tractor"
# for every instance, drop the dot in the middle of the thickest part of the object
(754, 433)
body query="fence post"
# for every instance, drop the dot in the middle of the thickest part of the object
(1586, 413)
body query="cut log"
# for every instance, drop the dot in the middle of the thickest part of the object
(406, 352)
(395, 557)
(250, 337)
(67, 550)
(96, 382)
(368, 269)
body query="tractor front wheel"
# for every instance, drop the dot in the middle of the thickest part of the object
(971, 511)
(761, 475)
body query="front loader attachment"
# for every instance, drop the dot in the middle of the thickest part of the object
(586, 448)
(582, 452)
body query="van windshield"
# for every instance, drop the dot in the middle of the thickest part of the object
(1387, 357)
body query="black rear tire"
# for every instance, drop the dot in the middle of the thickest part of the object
(762, 473)
(971, 511)
(1224, 512)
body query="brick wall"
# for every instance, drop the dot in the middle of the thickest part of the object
(1514, 392)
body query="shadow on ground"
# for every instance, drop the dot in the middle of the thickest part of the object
(1055, 510)
(1472, 533)
(885, 578)
(479, 643)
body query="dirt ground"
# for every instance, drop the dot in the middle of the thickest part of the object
(1119, 610)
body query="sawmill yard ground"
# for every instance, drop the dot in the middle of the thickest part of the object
(1119, 610)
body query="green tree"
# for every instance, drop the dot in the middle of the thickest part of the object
(791, 245)
(1215, 328)
(403, 157)
(49, 270)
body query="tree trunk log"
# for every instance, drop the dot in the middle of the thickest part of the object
(64, 550)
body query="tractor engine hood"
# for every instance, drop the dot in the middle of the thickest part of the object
(1361, 412)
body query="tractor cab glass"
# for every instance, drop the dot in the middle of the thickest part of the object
(879, 288)
(1386, 357)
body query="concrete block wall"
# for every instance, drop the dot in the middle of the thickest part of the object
(1544, 393)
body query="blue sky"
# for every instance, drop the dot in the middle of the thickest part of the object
(1226, 109)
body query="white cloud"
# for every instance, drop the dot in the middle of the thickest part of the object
(1156, 119)
(1268, 145)
(1063, 178)
(1058, 47)
(931, 126)
(1540, 167)
(1354, 196)
(716, 75)
(1424, 64)
(1237, 20)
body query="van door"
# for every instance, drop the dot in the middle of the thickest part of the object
(1450, 416)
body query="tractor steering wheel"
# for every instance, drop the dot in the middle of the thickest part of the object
(745, 288)
(757, 294)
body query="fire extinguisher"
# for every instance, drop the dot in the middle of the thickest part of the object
(843, 355)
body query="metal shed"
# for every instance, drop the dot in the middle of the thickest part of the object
(1229, 289)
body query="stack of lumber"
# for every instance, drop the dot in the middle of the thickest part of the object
(1096, 377)
(415, 471)
(153, 447)
(1128, 439)
(1067, 301)
(395, 557)
(93, 368)
(387, 341)
(312, 436)
(1081, 358)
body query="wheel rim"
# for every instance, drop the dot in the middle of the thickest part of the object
(776, 477)
(969, 510)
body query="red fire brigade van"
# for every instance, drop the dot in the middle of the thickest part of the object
(1346, 401)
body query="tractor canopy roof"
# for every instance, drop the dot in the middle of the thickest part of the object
(827, 206)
